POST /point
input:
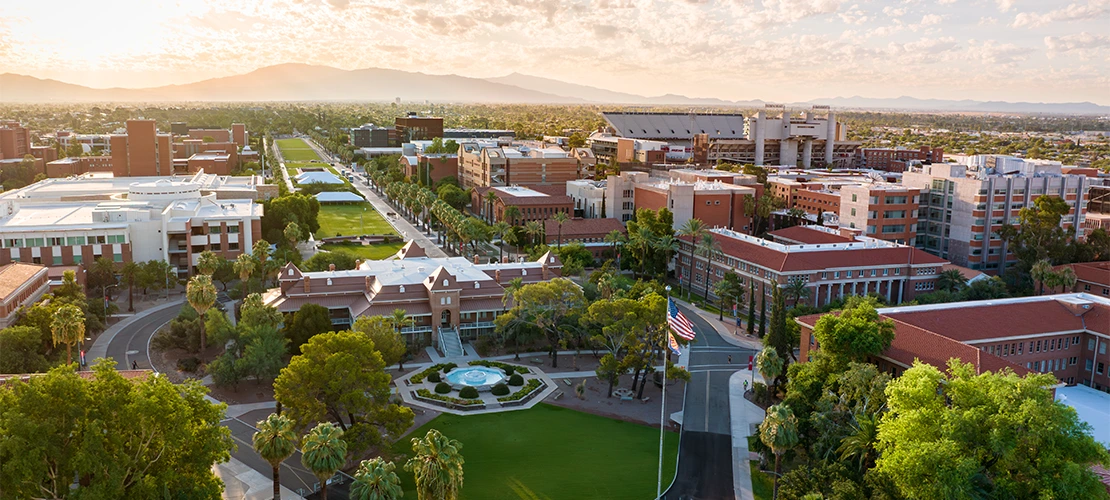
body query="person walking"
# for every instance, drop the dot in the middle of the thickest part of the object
(730, 359)
(134, 365)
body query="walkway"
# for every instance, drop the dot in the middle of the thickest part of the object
(129, 340)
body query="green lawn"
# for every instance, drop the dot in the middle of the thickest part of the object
(763, 486)
(296, 150)
(365, 252)
(549, 452)
(349, 220)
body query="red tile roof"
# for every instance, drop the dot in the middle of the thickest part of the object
(985, 320)
(15, 275)
(581, 227)
(817, 260)
(1091, 272)
(806, 235)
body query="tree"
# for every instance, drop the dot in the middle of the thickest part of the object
(779, 432)
(511, 214)
(860, 444)
(535, 232)
(207, 262)
(796, 290)
(339, 377)
(1065, 279)
(762, 311)
(244, 266)
(490, 198)
(707, 248)
(262, 356)
(1038, 234)
(782, 337)
(951, 280)
(387, 340)
(453, 195)
(261, 252)
(121, 438)
(614, 238)
(560, 218)
(437, 465)
(324, 452)
(68, 328)
(991, 288)
(201, 294)
(308, 321)
(159, 275)
(854, 334)
(375, 480)
(500, 228)
(610, 370)
(323, 261)
(552, 306)
(130, 275)
(275, 441)
(992, 435)
(21, 350)
(293, 234)
(770, 366)
(730, 291)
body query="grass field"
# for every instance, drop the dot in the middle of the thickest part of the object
(296, 150)
(549, 452)
(345, 220)
(763, 486)
(366, 252)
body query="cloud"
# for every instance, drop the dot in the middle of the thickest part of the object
(930, 19)
(1093, 9)
(1082, 45)
(605, 30)
(1005, 5)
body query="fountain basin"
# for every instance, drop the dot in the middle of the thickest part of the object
(479, 377)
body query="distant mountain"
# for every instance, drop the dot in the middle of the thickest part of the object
(603, 96)
(915, 104)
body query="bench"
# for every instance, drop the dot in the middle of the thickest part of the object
(566, 381)
(558, 395)
(537, 361)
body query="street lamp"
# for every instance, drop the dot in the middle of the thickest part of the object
(106, 301)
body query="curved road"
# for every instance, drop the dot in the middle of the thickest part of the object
(705, 447)
(130, 343)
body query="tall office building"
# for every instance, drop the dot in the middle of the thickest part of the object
(142, 151)
(15, 142)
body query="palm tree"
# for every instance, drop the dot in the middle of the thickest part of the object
(951, 280)
(559, 219)
(244, 265)
(68, 327)
(534, 230)
(275, 441)
(293, 234)
(375, 480)
(324, 452)
(796, 289)
(511, 214)
(261, 251)
(437, 465)
(207, 263)
(860, 444)
(500, 228)
(1039, 272)
(694, 229)
(641, 242)
(779, 431)
(490, 198)
(707, 248)
(201, 294)
(398, 317)
(730, 291)
(130, 274)
(769, 365)
(615, 238)
(514, 285)
(1065, 279)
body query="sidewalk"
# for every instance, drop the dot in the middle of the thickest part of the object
(744, 415)
(99, 348)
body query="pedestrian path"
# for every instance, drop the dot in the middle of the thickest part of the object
(745, 416)
(99, 347)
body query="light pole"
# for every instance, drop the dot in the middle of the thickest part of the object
(106, 301)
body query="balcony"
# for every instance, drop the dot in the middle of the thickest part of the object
(480, 324)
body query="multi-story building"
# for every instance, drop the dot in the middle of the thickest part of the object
(894, 159)
(20, 286)
(430, 168)
(589, 198)
(239, 134)
(446, 298)
(15, 142)
(1091, 277)
(414, 127)
(43, 155)
(485, 164)
(477, 133)
(210, 134)
(831, 268)
(589, 232)
(370, 136)
(1065, 335)
(534, 204)
(715, 198)
(623, 151)
(884, 211)
(806, 140)
(142, 151)
(73, 221)
(77, 165)
(89, 142)
(963, 208)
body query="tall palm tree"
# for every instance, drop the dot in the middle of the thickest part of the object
(130, 274)
(860, 444)
(779, 431)
(1065, 279)
(323, 452)
(275, 441)
(707, 247)
(560, 218)
(398, 317)
(615, 238)
(244, 265)
(375, 480)
(769, 365)
(534, 230)
(207, 263)
(510, 290)
(694, 229)
(201, 294)
(641, 243)
(951, 280)
(511, 214)
(293, 234)
(261, 252)
(796, 289)
(490, 198)
(1039, 272)
(500, 228)
(68, 327)
(437, 465)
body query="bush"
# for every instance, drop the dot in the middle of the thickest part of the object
(508, 370)
(443, 388)
(524, 391)
(424, 393)
(468, 393)
(434, 377)
(500, 390)
(760, 395)
(516, 380)
(189, 364)
(419, 377)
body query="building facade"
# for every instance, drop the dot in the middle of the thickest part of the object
(884, 211)
(486, 164)
(715, 198)
(415, 128)
(370, 136)
(890, 159)
(589, 198)
(142, 151)
(534, 204)
(20, 286)
(1091, 277)
(807, 140)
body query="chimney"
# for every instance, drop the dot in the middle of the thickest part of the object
(307, 284)
(475, 258)
(331, 268)
(505, 260)
(367, 283)
(358, 263)
(497, 276)
(543, 270)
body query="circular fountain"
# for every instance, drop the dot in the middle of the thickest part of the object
(478, 377)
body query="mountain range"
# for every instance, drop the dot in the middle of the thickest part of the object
(303, 82)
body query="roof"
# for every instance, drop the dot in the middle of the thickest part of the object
(808, 235)
(518, 191)
(969, 274)
(338, 197)
(675, 125)
(1091, 272)
(582, 227)
(320, 177)
(15, 275)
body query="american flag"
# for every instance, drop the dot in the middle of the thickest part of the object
(678, 322)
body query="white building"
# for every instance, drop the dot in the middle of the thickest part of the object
(589, 198)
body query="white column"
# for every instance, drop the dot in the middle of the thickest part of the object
(901, 285)
(854, 287)
(828, 293)
(842, 290)
(888, 285)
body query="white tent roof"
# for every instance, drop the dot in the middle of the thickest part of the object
(338, 197)
(320, 177)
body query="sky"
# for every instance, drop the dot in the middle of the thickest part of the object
(775, 50)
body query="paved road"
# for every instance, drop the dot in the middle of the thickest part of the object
(293, 475)
(130, 344)
(705, 448)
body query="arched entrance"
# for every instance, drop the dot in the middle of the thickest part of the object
(445, 319)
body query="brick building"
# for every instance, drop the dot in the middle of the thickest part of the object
(884, 211)
(15, 141)
(142, 151)
(589, 232)
(894, 159)
(714, 197)
(431, 168)
(1091, 277)
(20, 285)
(485, 164)
(534, 203)
(77, 165)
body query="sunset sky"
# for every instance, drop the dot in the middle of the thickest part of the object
(785, 50)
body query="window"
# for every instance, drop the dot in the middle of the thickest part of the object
(57, 260)
(1088, 365)
(98, 240)
(116, 238)
(1072, 360)
(1052, 345)
(1038, 346)
(1020, 347)
(233, 246)
(117, 257)
(894, 214)
(232, 229)
(849, 274)
(1102, 348)
(75, 240)
(1090, 344)
(13, 243)
(836, 275)
(35, 242)
(1100, 368)
(896, 200)
(854, 199)
(78, 258)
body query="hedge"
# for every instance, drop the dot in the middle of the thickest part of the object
(468, 392)
(419, 377)
(509, 369)
(443, 388)
(518, 395)
(434, 377)
(516, 380)
(500, 390)
(424, 393)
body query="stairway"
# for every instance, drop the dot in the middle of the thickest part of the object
(450, 344)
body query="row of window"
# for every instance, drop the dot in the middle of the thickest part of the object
(57, 241)
(862, 273)
(1051, 365)
(56, 260)
(216, 229)
(1016, 348)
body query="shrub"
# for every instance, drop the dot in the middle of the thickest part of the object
(516, 380)
(468, 393)
(508, 370)
(500, 390)
(434, 377)
(424, 393)
(419, 377)
(443, 388)
(760, 395)
(524, 391)
(189, 364)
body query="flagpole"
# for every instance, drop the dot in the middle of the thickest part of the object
(663, 410)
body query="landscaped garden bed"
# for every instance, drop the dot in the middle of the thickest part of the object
(532, 387)
(419, 377)
(509, 369)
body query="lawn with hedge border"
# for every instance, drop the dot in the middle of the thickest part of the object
(550, 452)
